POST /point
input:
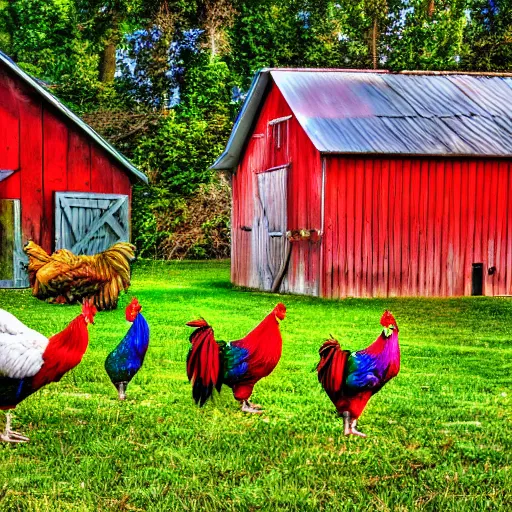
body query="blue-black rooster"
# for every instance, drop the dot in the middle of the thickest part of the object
(126, 359)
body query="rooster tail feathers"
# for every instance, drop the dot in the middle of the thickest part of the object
(119, 257)
(203, 362)
(114, 266)
(331, 367)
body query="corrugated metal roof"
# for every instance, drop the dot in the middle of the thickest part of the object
(355, 112)
(36, 85)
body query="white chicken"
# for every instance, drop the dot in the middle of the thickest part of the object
(29, 360)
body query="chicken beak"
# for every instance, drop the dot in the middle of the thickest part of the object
(388, 331)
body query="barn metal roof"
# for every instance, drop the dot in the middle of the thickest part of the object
(36, 85)
(407, 113)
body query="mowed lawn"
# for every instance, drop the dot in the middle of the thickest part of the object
(439, 435)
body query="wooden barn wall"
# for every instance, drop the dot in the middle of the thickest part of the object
(304, 211)
(52, 155)
(303, 191)
(408, 227)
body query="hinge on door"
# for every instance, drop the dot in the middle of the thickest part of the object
(275, 234)
(246, 228)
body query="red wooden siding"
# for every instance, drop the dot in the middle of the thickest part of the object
(52, 155)
(9, 135)
(414, 226)
(31, 161)
(303, 197)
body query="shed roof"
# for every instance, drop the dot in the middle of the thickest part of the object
(36, 85)
(378, 112)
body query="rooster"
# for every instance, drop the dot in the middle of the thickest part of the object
(351, 378)
(66, 277)
(238, 364)
(126, 359)
(29, 360)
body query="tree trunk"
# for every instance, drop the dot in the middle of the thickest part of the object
(213, 46)
(374, 43)
(431, 7)
(108, 63)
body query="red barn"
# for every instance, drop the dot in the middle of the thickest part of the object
(373, 184)
(61, 184)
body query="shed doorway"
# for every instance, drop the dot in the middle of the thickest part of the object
(12, 257)
(271, 242)
(88, 223)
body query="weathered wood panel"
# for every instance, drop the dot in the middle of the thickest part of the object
(6, 240)
(270, 226)
(434, 218)
(243, 269)
(90, 223)
(12, 258)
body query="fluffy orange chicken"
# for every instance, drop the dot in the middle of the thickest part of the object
(66, 277)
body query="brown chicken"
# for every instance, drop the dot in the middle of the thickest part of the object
(65, 277)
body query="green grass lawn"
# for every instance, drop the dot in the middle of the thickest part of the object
(439, 435)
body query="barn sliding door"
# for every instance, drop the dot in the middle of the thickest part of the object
(270, 241)
(90, 223)
(12, 257)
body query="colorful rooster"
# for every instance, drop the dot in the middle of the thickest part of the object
(126, 359)
(351, 378)
(29, 360)
(66, 277)
(238, 364)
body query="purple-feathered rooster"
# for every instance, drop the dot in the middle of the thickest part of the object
(351, 378)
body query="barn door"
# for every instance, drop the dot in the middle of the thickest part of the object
(271, 241)
(12, 257)
(90, 223)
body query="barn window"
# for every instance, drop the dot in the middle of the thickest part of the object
(278, 142)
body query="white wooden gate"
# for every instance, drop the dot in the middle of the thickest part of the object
(87, 223)
(12, 258)
(270, 241)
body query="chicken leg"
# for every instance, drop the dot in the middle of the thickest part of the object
(121, 390)
(249, 407)
(349, 425)
(10, 436)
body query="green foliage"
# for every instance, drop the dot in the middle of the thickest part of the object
(172, 226)
(439, 436)
(48, 35)
(206, 91)
(429, 42)
(177, 154)
(146, 235)
(489, 36)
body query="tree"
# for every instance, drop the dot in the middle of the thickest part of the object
(216, 17)
(376, 11)
(418, 38)
(488, 36)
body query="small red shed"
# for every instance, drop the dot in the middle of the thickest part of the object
(373, 184)
(61, 184)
